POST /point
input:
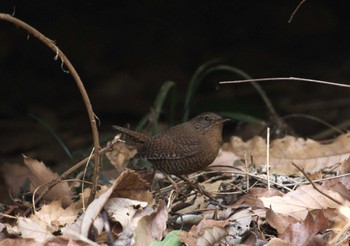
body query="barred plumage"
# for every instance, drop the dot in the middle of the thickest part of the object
(184, 148)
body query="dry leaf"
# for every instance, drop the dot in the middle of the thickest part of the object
(131, 185)
(52, 216)
(278, 221)
(15, 175)
(305, 232)
(207, 232)
(253, 195)
(151, 227)
(94, 209)
(224, 158)
(20, 242)
(307, 154)
(128, 185)
(29, 229)
(123, 209)
(39, 175)
(278, 242)
(299, 202)
(120, 155)
(345, 169)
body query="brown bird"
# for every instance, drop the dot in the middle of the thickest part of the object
(184, 148)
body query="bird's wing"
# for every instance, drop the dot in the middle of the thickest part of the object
(165, 147)
(135, 136)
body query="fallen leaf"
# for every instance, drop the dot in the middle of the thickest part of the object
(39, 175)
(93, 210)
(308, 154)
(19, 242)
(54, 216)
(120, 155)
(15, 175)
(123, 209)
(207, 232)
(305, 232)
(131, 185)
(278, 242)
(299, 202)
(151, 227)
(29, 229)
(278, 221)
(252, 198)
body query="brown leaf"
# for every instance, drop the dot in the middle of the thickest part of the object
(123, 209)
(300, 233)
(128, 185)
(53, 216)
(15, 175)
(20, 242)
(308, 154)
(299, 202)
(252, 198)
(279, 222)
(30, 229)
(120, 155)
(131, 185)
(345, 169)
(151, 227)
(94, 209)
(278, 242)
(39, 175)
(207, 232)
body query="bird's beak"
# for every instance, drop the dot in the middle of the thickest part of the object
(224, 120)
(221, 121)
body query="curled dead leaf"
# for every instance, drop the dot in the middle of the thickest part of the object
(40, 175)
(308, 154)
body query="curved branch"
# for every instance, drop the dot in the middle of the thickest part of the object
(51, 44)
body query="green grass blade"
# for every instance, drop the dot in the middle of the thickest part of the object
(194, 83)
(158, 103)
(153, 116)
(241, 117)
(211, 67)
(53, 133)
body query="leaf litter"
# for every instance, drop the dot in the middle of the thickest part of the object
(291, 212)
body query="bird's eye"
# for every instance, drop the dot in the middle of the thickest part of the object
(207, 118)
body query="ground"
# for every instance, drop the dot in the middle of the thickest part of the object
(125, 51)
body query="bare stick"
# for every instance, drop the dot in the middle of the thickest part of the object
(315, 187)
(296, 10)
(284, 78)
(52, 183)
(268, 158)
(51, 44)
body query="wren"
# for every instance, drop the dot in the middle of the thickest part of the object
(184, 148)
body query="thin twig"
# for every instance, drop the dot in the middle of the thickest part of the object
(319, 180)
(246, 169)
(52, 183)
(314, 186)
(285, 78)
(296, 10)
(268, 158)
(51, 44)
(310, 117)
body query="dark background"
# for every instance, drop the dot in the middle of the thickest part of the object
(125, 50)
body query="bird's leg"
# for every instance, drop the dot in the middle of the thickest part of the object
(176, 187)
(198, 187)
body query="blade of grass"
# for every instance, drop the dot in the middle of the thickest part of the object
(153, 116)
(158, 103)
(194, 83)
(205, 69)
(241, 117)
(53, 133)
